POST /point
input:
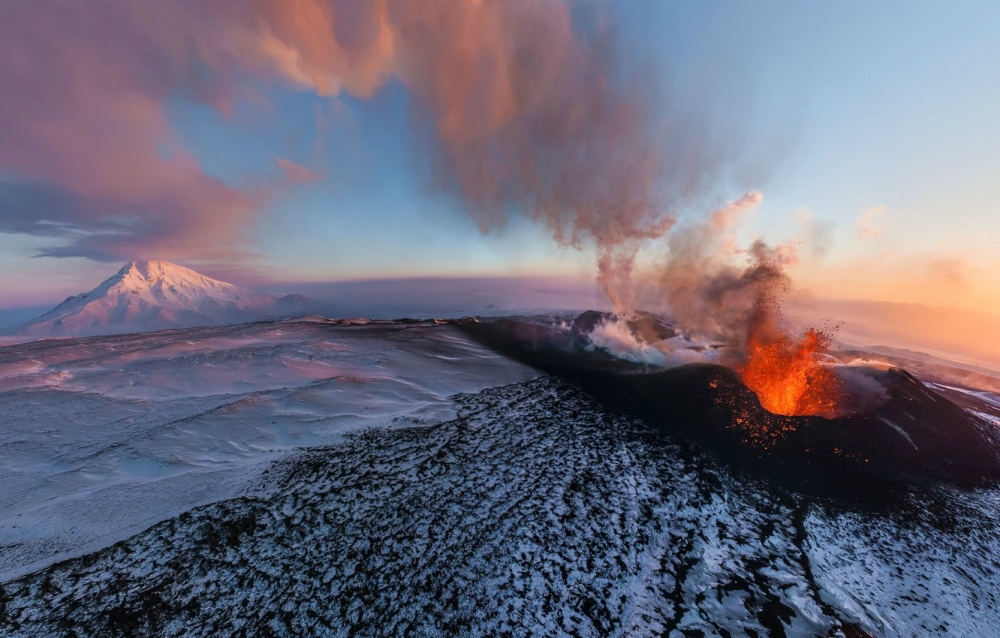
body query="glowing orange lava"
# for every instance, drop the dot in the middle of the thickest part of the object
(786, 374)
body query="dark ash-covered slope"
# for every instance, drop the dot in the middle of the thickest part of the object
(534, 513)
(913, 434)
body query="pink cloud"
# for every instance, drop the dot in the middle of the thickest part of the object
(525, 111)
(725, 218)
(83, 113)
(296, 173)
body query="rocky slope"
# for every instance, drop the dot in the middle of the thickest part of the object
(534, 512)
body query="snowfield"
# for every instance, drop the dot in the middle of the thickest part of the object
(103, 436)
(304, 478)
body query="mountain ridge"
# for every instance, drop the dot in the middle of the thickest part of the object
(149, 295)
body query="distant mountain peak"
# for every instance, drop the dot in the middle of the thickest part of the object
(151, 271)
(155, 294)
(153, 268)
(158, 268)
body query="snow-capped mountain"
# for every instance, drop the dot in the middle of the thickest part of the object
(156, 295)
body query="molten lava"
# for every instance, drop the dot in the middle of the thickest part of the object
(786, 374)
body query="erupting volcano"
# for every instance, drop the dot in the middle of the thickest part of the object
(781, 411)
(785, 372)
(786, 375)
(714, 300)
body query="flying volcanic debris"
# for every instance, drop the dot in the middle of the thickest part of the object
(707, 294)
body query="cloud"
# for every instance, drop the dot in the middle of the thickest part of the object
(296, 173)
(531, 112)
(84, 134)
(725, 218)
(867, 224)
(949, 271)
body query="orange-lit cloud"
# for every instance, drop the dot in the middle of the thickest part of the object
(724, 218)
(85, 128)
(900, 276)
(528, 111)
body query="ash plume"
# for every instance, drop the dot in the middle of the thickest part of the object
(528, 113)
(710, 296)
(701, 286)
(533, 111)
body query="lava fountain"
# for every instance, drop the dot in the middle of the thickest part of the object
(785, 371)
(787, 375)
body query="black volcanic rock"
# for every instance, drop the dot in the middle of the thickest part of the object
(649, 328)
(586, 321)
(645, 326)
(915, 435)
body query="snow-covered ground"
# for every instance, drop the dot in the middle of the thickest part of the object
(103, 436)
(306, 478)
(532, 513)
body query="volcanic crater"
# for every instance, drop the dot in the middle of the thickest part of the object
(898, 431)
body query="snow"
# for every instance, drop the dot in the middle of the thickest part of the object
(156, 295)
(322, 478)
(532, 512)
(100, 437)
(989, 398)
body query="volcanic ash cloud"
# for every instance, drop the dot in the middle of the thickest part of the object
(531, 107)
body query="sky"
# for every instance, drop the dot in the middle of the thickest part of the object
(281, 143)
